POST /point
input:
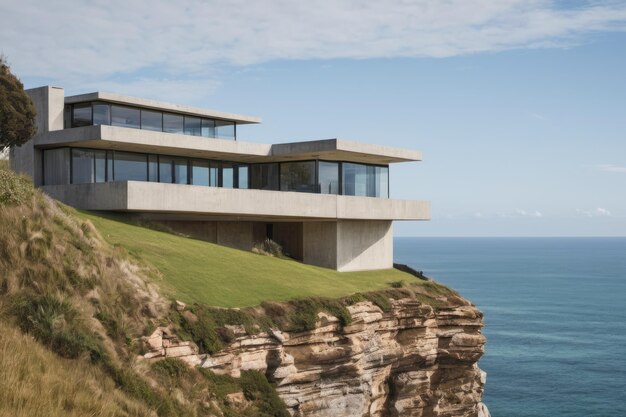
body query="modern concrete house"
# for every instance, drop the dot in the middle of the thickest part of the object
(326, 202)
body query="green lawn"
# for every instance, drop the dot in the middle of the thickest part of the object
(193, 270)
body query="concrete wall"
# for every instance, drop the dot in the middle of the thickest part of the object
(238, 235)
(196, 229)
(364, 245)
(290, 236)
(49, 104)
(320, 244)
(101, 196)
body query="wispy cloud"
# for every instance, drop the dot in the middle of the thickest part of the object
(597, 212)
(518, 213)
(612, 168)
(75, 43)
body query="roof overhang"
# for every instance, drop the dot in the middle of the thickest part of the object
(145, 141)
(159, 105)
(342, 150)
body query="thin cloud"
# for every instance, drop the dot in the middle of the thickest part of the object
(519, 213)
(77, 43)
(597, 212)
(612, 168)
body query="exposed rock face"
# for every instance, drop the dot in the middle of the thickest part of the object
(411, 361)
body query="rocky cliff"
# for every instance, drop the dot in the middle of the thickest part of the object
(413, 360)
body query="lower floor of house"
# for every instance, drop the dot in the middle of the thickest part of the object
(343, 245)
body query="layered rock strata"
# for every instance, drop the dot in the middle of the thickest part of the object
(413, 360)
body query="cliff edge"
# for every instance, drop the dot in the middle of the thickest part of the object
(411, 360)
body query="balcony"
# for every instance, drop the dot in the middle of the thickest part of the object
(227, 204)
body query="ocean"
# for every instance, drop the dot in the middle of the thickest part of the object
(555, 318)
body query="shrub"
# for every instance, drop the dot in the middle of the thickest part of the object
(202, 330)
(55, 323)
(396, 284)
(304, 313)
(268, 247)
(134, 385)
(380, 300)
(256, 388)
(171, 367)
(14, 189)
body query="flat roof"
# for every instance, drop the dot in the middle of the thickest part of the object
(120, 138)
(160, 105)
(342, 150)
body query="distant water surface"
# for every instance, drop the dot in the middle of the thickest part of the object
(555, 318)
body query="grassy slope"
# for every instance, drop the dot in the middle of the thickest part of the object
(197, 271)
(36, 382)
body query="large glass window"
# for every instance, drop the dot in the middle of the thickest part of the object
(224, 129)
(101, 114)
(81, 115)
(354, 179)
(56, 166)
(242, 176)
(125, 116)
(129, 166)
(165, 169)
(214, 174)
(365, 180)
(208, 128)
(228, 175)
(152, 120)
(193, 126)
(200, 172)
(82, 166)
(153, 168)
(173, 123)
(109, 165)
(100, 161)
(298, 176)
(382, 182)
(264, 176)
(328, 177)
(180, 170)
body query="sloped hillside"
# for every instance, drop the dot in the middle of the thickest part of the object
(81, 294)
(73, 309)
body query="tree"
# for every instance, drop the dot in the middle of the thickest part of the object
(17, 111)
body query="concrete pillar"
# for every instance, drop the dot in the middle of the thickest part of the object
(50, 104)
(364, 245)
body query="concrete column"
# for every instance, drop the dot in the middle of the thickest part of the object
(49, 103)
(364, 245)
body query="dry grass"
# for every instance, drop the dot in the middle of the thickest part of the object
(35, 382)
(45, 252)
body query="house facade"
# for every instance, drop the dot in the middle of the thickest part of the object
(326, 202)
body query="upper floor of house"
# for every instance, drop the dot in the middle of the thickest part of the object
(105, 137)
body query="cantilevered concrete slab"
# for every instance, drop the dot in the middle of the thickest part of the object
(342, 150)
(159, 105)
(146, 141)
(194, 200)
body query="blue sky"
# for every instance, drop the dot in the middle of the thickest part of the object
(519, 107)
